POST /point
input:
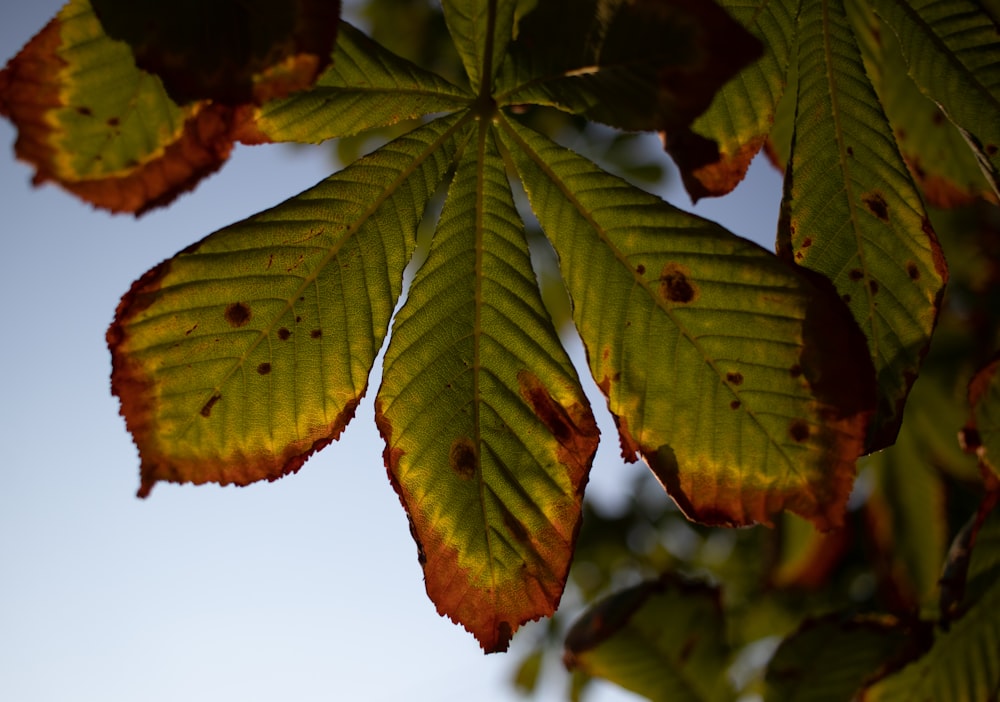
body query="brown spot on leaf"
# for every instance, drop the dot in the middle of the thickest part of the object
(237, 314)
(85, 111)
(640, 269)
(316, 333)
(850, 151)
(206, 411)
(937, 118)
(795, 371)
(284, 334)
(264, 368)
(573, 426)
(735, 378)
(798, 430)
(735, 404)
(877, 205)
(856, 274)
(912, 270)
(462, 458)
(873, 286)
(676, 285)
(807, 242)
(113, 122)
(513, 525)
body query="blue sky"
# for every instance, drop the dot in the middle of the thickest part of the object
(304, 589)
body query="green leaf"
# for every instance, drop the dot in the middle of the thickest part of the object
(953, 53)
(489, 437)
(865, 228)
(92, 122)
(962, 665)
(742, 112)
(227, 51)
(481, 31)
(740, 379)
(644, 65)
(935, 150)
(663, 639)
(246, 352)
(829, 658)
(367, 87)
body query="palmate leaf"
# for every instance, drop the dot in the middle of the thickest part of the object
(246, 352)
(740, 378)
(716, 357)
(866, 229)
(489, 437)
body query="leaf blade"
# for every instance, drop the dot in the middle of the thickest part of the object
(489, 437)
(216, 353)
(736, 334)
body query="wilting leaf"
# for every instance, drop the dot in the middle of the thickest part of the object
(91, 121)
(644, 65)
(366, 87)
(830, 658)
(719, 361)
(228, 51)
(962, 665)
(952, 51)
(742, 112)
(243, 354)
(866, 228)
(489, 437)
(664, 639)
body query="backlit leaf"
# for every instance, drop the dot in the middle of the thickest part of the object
(228, 51)
(663, 639)
(866, 229)
(643, 65)
(246, 352)
(741, 115)
(481, 31)
(719, 361)
(489, 437)
(953, 53)
(92, 122)
(366, 87)
(806, 557)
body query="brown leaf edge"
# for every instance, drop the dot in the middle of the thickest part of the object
(837, 366)
(135, 389)
(494, 626)
(30, 90)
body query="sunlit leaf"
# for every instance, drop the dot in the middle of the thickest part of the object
(644, 65)
(92, 122)
(246, 352)
(664, 639)
(806, 557)
(828, 659)
(865, 228)
(719, 361)
(228, 51)
(742, 112)
(935, 150)
(953, 53)
(366, 87)
(489, 437)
